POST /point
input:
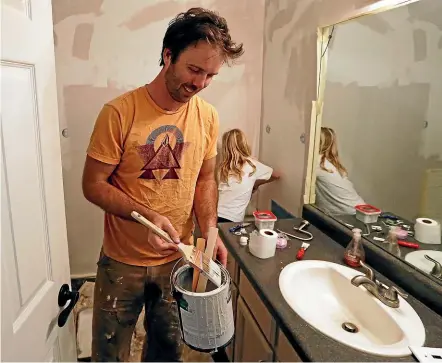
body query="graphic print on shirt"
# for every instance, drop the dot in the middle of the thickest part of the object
(163, 151)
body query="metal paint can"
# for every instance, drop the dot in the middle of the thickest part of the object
(206, 318)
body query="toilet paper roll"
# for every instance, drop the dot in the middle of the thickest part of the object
(427, 230)
(263, 243)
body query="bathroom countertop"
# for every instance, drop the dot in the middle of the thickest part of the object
(351, 219)
(310, 343)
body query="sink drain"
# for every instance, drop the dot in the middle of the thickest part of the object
(350, 327)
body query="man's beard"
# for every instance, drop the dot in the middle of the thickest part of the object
(175, 87)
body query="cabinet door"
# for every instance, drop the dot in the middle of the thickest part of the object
(284, 351)
(232, 268)
(260, 312)
(250, 343)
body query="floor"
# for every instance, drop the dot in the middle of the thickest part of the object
(83, 323)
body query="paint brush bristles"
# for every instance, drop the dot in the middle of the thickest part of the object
(201, 262)
(194, 257)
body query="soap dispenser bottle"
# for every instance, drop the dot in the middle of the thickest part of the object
(393, 246)
(354, 252)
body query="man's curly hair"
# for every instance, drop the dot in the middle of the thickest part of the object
(198, 24)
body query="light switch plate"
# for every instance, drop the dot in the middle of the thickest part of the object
(424, 354)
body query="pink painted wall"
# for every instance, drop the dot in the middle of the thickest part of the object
(106, 47)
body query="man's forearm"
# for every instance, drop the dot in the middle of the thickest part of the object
(114, 201)
(205, 205)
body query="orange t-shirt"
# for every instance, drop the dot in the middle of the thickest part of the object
(158, 155)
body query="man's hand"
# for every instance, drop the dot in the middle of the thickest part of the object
(157, 243)
(220, 252)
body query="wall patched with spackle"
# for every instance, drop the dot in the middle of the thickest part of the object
(289, 87)
(106, 47)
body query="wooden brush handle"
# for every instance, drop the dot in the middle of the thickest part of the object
(210, 247)
(200, 246)
(157, 230)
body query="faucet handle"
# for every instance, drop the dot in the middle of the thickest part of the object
(392, 293)
(437, 269)
(368, 271)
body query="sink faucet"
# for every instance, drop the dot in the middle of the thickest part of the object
(437, 269)
(387, 295)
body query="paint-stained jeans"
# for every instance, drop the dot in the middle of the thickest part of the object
(120, 292)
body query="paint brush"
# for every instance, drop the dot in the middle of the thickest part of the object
(195, 258)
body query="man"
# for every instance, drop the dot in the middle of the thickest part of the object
(153, 151)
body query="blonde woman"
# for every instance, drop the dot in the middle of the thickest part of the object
(239, 175)
(334, 191)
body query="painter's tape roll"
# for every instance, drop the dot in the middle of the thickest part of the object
(427, 230)
(263, 243)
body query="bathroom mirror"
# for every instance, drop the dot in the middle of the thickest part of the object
(377, 127)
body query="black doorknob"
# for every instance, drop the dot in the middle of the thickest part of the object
(65, 295)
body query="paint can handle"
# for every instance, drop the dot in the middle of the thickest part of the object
(231, 290)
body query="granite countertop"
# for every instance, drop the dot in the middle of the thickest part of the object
(310, 343)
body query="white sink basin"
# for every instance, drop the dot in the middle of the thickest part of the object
(321, 293)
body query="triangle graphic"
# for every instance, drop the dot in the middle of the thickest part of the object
(148, 174)
(171, 174)
(163, 159)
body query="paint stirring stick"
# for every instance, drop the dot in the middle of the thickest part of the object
(200, 246)
(194, 257)
(211, 242)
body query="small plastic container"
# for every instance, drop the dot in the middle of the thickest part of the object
(264, 219)
(366, 213)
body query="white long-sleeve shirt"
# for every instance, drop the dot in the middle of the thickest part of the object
(335, 194)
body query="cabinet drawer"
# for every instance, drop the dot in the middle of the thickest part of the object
(260, 312)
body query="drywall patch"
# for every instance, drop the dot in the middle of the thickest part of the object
(420, 44)
(282, 18)
(62, 9)
(375, 23)
(298, 73)
(429, 13)
(157, 12)
(82, 41)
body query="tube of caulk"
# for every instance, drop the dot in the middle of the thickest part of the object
(301, 251)
(408, 244)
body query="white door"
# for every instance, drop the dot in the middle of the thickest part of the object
(34, 249)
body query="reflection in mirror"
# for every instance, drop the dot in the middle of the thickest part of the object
(380, 142)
